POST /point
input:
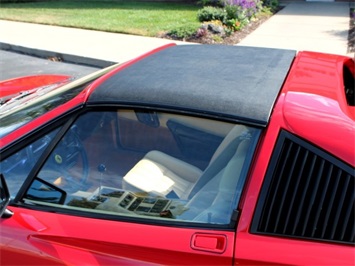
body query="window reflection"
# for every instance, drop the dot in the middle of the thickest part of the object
(179, 167)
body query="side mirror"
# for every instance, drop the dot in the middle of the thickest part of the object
(4, 196)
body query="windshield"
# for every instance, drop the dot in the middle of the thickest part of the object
(38, 105)
(14, 120)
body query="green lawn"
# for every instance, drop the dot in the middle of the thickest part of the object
(123, 16)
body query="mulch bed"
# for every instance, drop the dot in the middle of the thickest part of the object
(237, 36)
(234, 38)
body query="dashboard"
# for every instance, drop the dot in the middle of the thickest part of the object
(122, 201)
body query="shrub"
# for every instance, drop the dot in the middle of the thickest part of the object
(214, 3)
(248, 7)
(201, 32)
(234, 14)
(235, 24)
(182, 32)
(217, 39)
(209, 13)
(272, 4)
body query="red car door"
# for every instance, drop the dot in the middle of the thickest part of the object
(45, 238)
(111, 188)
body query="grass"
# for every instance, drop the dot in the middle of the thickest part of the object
(122, 16)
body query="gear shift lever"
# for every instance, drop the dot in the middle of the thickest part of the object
(101, 168)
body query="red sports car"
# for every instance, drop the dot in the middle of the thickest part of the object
(187, 155)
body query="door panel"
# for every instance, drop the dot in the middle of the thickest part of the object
(77, 240)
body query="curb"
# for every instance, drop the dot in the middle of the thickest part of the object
(67, 58)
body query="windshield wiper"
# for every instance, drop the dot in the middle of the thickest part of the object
(14, 96)
(11, 101)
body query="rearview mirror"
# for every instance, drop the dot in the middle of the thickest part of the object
(4, 195)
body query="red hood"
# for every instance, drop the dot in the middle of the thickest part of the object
(12, 87)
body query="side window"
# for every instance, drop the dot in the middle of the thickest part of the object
(150, 165)
(307, 194)
(16, 167)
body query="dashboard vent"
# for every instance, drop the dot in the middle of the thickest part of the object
(306, 194)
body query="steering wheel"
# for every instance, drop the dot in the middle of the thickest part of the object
(70, 159)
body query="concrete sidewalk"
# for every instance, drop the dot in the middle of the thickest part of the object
(74, 45)
(314, 26)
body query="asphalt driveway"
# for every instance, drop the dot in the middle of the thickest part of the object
(14, 65)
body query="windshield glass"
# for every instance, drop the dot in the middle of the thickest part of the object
(39, 104)
(14, 120)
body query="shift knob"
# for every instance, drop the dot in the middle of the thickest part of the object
(101, 168)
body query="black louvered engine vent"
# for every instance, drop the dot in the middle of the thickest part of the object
(307, 194)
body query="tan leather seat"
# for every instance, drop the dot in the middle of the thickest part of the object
(162, 174)
(214, 202)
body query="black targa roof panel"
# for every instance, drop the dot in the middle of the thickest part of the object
(234, 81)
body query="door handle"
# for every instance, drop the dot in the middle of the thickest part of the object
(215, 243)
